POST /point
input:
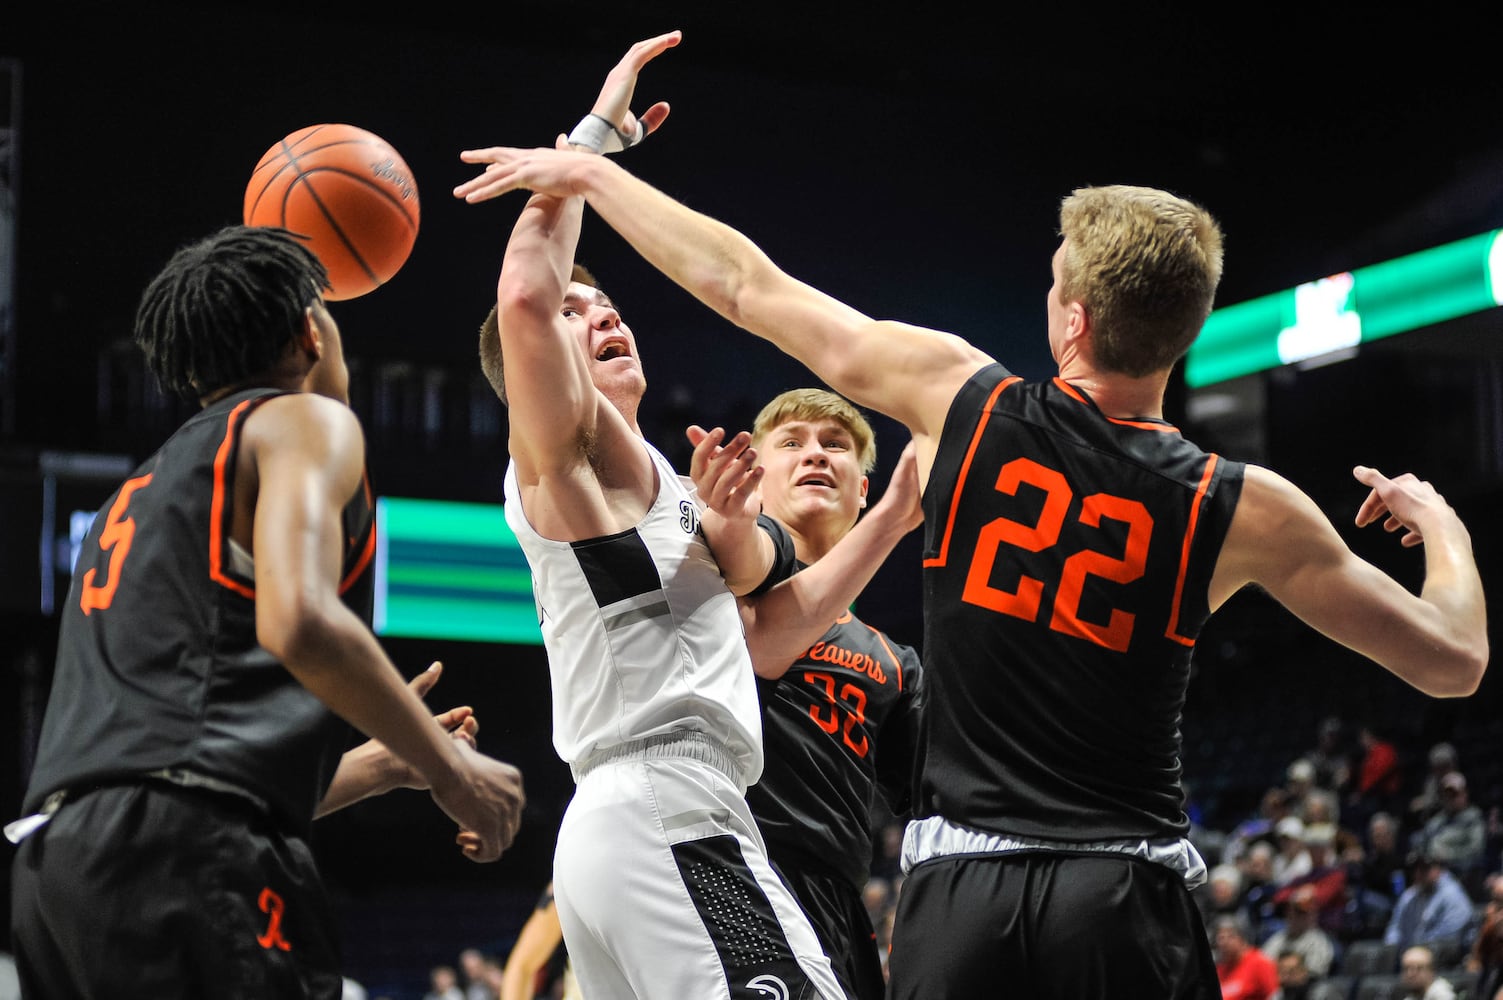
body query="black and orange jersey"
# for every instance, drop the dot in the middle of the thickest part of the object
(1067, 562)
(158, 664)
(840, 724)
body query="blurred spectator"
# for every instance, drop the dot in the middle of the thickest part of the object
(1379, 778)
(1295, 981)
(472, 972)
(1486, 955)
(1443, 761)
(1457, 834)
(1375, 878)
(1323, 887)
(1292, 859)
(443, 984)
(1221, 895)
(1302, 934)
(1331, 756)
(1434, 906)
(1324, 808)
(1299, 783)
(1272, 807)
(1417, 977)
(1244, 971)
(1257, 883)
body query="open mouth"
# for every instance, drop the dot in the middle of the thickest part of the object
(611, 350)
(822, 481)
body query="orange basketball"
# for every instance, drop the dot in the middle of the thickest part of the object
(347, 194)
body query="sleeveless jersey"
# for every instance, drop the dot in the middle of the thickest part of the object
(643, 636)
(840, 723)
(1066, 567)
(158, 664)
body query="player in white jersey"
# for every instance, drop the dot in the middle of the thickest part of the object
(660, 874)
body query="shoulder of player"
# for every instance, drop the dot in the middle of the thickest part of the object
(316, 422)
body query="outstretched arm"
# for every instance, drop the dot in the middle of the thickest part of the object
(784, 622)
(1436, 640)
(907, 372)
(372, 769)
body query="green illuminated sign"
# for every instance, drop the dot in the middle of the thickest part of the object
(447, 570)
(1347, 309)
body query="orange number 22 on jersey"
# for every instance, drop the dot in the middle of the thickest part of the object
(119, 531)
(1024, 602)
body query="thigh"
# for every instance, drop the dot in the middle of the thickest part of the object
(843, 926)
(664, 890)
(153, 891)
(1113, 925)
(1070, 927)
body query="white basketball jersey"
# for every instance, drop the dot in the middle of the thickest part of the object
(643, 637)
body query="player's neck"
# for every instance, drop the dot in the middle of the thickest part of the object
(1121, 396)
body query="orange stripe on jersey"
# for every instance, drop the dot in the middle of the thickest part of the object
(367, 553)
(965, 468)
(1142, 425)
(1172, 632)
(220, 504)
(368, 547)
(897, 664)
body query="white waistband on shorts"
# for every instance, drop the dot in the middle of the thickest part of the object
(937, 837)
(687, 743)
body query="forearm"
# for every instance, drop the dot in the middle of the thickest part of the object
(363, 771)
(782, 623)
(742, 550)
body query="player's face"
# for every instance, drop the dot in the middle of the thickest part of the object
(813, 471)
(609, 346)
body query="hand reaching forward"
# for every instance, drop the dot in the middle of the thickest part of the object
(902, 495)
(614, 102)
(550, 174)
(1401, 502)
(725, 476)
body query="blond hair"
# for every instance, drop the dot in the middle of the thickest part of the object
(1145, 265)
(814, 405)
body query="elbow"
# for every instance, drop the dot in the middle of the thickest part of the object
(298, 633)
(1464, 673)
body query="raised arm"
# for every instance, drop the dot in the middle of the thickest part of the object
(307, 455)
(785, 621)
(1435, 640)
(907, 372)
(552, 402)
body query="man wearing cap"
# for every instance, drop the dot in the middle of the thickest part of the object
(1457, 834)
(1434, 906)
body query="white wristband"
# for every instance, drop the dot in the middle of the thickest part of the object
(596, 134)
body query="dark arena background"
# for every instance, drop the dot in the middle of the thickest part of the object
(909, 160)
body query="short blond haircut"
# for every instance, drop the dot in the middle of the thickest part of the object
(813, 405)
(1145, 265)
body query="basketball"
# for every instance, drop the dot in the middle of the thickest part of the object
(347, 194)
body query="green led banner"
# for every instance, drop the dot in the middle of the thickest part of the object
(447, 570)
(1344, 310)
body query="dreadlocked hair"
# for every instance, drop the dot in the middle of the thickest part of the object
(223, 309)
